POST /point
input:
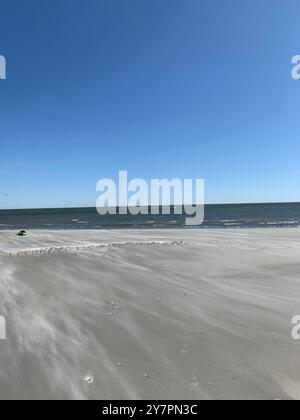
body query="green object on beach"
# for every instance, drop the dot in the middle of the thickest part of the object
(22, 233)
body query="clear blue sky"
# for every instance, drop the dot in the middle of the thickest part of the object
(162, 88)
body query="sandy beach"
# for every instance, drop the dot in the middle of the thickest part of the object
(150, 314)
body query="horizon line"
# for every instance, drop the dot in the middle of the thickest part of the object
(205, 204)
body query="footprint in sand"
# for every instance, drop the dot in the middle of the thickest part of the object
(119, 364)
(89, 379)
(114, 305)
(185, 350)
(207, 383)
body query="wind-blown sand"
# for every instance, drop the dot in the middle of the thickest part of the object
(165, 314)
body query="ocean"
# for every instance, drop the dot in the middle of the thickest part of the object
(228, 216)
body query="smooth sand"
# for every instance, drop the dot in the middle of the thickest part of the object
(196, 314)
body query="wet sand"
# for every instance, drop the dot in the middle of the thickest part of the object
(162, 314)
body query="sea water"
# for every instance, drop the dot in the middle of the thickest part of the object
(216, 216)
